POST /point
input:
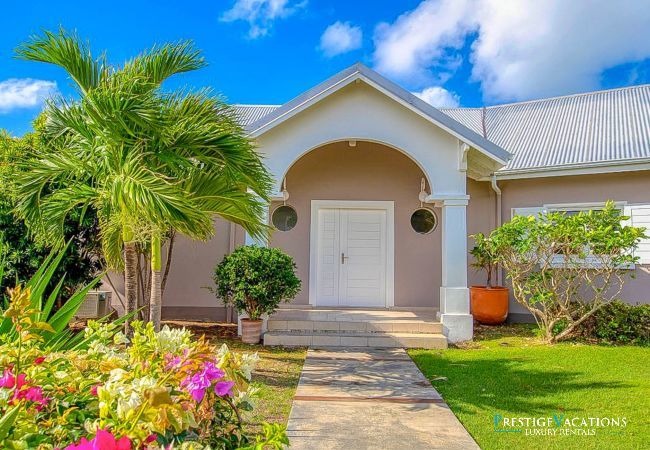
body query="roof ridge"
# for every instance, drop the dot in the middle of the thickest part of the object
(250, 105)
(539, 100)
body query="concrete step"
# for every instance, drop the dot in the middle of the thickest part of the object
(378, 326)
(355, 339)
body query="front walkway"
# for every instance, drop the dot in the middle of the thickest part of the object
(370, 399)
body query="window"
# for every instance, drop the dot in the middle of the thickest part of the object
(284, 218)
(423, 221)
(572, 209)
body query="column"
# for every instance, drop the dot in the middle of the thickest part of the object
(454, 295)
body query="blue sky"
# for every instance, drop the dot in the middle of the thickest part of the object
(467, 52)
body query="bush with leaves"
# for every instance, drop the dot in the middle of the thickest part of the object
(24, 251)
(161, 390)
(256, 280)
(485, 256)
(564, 268)
(618, 323)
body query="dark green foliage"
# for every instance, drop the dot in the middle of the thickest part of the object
(619, 323)
(256, 279)
(23, 252)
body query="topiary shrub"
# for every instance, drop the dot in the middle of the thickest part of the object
(255, 280)
(619, 323)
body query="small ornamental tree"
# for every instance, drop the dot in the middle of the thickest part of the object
(564, 268)
(255, 280)
(485, 256)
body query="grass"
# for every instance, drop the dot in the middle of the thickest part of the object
(508, 371)
(276, 375)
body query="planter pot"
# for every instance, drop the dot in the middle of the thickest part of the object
(489, 306)
(251, 331)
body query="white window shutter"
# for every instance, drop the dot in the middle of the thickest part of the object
(529, 211)
(639, 216)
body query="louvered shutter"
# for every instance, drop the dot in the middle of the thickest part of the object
(639, 216)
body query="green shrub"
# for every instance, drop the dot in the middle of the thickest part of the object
(619, 323)
(24, 253)
(564, 268)
(256, 280)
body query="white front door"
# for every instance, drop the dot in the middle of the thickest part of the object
(351, 257)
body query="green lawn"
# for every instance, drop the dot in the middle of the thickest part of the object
(507, 371)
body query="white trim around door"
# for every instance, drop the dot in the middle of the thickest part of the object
(339, 210)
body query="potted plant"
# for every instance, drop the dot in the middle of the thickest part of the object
(489, 303)
(255, 280)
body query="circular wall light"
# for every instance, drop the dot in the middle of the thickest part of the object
(423, 221)
(284, 218)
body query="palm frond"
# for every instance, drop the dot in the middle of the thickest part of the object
(65, 50)
(161, 62)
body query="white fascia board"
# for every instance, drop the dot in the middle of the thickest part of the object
(304, 104)
(578, 169)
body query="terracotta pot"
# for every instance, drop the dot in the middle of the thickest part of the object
(489, 306)
(251, 331)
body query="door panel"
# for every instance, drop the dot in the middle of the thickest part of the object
(360, 278)
(328, 257)
(363, 273)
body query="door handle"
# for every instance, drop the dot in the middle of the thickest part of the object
(343, 258)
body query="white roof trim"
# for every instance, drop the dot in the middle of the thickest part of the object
(577, 169)
(392, 90)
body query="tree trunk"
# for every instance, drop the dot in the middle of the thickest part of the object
(155, 302)
(168, 262)
(130, 281)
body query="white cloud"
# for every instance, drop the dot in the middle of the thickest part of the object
(261, 14)
(523, 48)
(421, 40)
(439, 97)
(23, 93)
(340, 37)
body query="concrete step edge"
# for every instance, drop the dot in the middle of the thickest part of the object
(361, 326)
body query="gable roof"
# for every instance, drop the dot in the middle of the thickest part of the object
(359, 71)
(594, 128)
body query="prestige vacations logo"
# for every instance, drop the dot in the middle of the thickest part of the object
(558, 425)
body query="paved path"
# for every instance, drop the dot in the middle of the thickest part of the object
(370, 399)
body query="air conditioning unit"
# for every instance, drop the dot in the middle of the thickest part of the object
(97, 304)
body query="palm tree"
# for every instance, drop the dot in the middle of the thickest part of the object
(144, 159)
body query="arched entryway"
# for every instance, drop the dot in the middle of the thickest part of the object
(353, 240)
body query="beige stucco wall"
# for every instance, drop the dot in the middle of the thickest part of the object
(368, 171)
(186, 294)
(632, 187)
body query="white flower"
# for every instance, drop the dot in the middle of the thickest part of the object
(249, 361)
(172, 341)
(127, 404)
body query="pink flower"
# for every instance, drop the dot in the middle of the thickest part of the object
(93, 390)
(32, 394)
(224, 388)
(103, 440)
(8, 380)
(198, 383)
(39, 360)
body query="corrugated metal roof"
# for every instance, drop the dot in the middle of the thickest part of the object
(581, 129)
(601, 127)
(252, 113)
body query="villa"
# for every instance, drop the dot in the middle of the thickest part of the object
(377, 193)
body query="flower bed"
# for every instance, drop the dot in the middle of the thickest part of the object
(158, 390)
